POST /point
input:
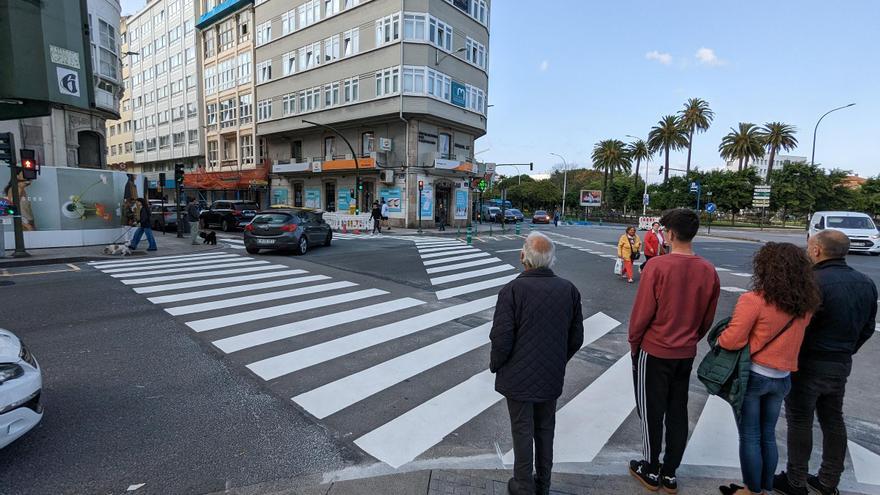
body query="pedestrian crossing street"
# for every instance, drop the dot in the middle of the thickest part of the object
(404, 376)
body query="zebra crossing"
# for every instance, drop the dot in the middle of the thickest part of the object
(289, 326)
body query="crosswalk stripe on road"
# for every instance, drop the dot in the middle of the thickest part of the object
(715, 439)
(477, 254)
(200, 275)
(256, 298)
(177, 264)
(154, 261)
(238, 262)
(470, 274)
(459, 266)
(234, 289)
(465, 250)
(474, 287)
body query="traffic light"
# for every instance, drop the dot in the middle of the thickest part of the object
(178, 175)
(360, 185)
(531, 166)
(351, 192)
(7, 209)
(482, 185)
(421, 185)
(161, 181)
(29, 166)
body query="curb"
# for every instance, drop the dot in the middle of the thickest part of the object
(21, 262)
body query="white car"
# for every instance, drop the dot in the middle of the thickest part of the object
(859, 227)
(21, 382)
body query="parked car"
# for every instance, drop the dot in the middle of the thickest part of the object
(166, 220)
(859, 227)
(21, 384)
(541, 216)
(296, 229)
(228, 215)
(490, 213)
(512, 215)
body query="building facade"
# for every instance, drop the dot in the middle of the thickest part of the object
(403, 86)
(120, 138)
(164, 90)
(779, 162)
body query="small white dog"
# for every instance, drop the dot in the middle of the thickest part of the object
(117, 249)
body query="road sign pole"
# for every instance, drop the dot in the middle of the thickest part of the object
(18, 228)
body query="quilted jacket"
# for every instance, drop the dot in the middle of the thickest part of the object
(538, 327)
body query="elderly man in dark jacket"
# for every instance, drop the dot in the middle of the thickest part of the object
(537, 328)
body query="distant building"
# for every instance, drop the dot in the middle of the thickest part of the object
(779, 162)
(120, 147)
(853, 181)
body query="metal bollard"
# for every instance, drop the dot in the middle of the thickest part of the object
(469, 239)
(517, 228)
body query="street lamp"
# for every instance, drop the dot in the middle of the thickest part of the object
(644, 206)
(564, 182)
(813, 156)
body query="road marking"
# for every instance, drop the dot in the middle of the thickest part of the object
(163, 261)
(467, 289)
(470, 274)
(338, 395)
(733, 289)
(866, 464)
(273, 334)
(215, 281)
(508, 250)
(441, 249)
(219, 264)
(715, 441)
(297, 360)
(234, 289)
(719, 269)
(449, 253)
(738, 274)
(421, 245)
(284, 309)
(185, 276)
(149, 260)
(235, 246)
(608, 256)
(459, 266)
(257, 298)
(455, 258)
(219, 259)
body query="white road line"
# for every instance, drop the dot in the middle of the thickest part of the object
(235, 246)
(459, 266)
(715, 441)
(185, 276)
(470, 274)
(176, 264)
(467, 289)
(421, 245)
(608, 256)
(449, 253)
(149, 261)
(508, 250)
(215, 281)
(733, 289)
(338, 395)
(455, 258)
(257, 298)
(297, 360)
(234, 289)
(866, 464)
(231, 239)
(285, 309)
(741, 274)
(441, 249)
(286, 331)
(217, 265)
(719, 269)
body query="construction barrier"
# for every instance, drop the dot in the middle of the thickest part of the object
(646, 222)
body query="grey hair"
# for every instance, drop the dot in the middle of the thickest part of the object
(539, 251)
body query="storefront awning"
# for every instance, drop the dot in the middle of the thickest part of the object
(233, 180)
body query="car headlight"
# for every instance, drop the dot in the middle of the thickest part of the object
(27, 356)
(9, 371)
(875, 236)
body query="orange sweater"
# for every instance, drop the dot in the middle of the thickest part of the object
(755, 322)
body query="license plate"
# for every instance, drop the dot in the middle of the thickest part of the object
(265, 241)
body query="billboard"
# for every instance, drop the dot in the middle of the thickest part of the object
(591, 197)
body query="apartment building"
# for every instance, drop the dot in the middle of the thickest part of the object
(120, 139)
(760, 164)
(164, 89)
(405, 82)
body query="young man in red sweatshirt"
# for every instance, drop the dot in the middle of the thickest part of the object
(673, 310)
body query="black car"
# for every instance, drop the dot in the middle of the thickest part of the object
(167, 220)
(296, 229)
(228, 214)
(511, 215)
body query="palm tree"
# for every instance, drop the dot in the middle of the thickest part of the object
(667, 135)
(610, 155)
(777, 136)
(743, 144)
(695, 117)
(638, 151)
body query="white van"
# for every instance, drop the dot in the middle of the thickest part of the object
(859, 227)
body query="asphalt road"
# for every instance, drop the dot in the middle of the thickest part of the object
(369, 360)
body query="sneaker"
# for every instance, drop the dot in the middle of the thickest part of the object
(669, 483)
(641, 471)
(782, 485)
(814, 484)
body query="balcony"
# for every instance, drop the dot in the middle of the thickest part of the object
(106, 101)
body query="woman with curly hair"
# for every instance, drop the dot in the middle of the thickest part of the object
(771, 320)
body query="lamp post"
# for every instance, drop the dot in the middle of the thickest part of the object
(357, 172)
(813, 155)
(644, 205)
(564, 182)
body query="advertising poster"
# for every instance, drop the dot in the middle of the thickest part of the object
(279, 196)
(313, 198)
(343, 200)
(392, 198)
(427, 202)
(591, 198)
(461, 204)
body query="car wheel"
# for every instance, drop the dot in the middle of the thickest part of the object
(252, 250)
(302, 247)
(226, 226)
(329, 239)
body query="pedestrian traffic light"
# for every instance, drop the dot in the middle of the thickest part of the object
(351, 192)
(178, 175)
(7, 209)
(421, 185)
(360, 185)
(29, 166)
(482, 185)
(161, 185)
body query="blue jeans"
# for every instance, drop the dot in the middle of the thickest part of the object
(137, 238)
(758, 454)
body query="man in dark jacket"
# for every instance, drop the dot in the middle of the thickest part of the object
(538, 326)
(843, 323)
(192, 218)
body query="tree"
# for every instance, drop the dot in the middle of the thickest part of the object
(609, 156)
(777, 136)
(870, 192)
(667, 135)
(513, 180)
(742, 144)
(533, 195)
(695, 117)
(638, 151)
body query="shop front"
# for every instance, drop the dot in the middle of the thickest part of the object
(252, 185)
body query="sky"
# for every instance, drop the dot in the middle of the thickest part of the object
(565, 74)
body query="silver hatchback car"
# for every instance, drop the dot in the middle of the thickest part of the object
(295, 229)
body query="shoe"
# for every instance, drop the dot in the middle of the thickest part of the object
(629, 281)
(730, 489)
(641, 471)
(816, 486)
(669, 483)
(516, 487)
(153, 249)
(782, 485)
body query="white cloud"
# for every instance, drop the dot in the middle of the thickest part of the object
(545, 64)
(706, 56)
(662, 57)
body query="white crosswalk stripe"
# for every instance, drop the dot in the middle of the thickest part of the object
(478, 254)
(237, 262)
(257, 298)
(200, 275)
(715, 440)
(229, 289)
(177, 264)
(459, 266)
(150, 261)
(474, 287)
(449, 253)
(470, 274)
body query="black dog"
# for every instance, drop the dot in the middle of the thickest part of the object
(209, 237)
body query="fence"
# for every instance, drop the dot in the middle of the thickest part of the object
(348, 222)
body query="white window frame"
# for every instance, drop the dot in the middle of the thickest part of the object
(244, 68)
(475, 53)
(288, 22)
(264, 71)
(415, 26)
(331, 95)
(308, 13)
(310, 56)
(351, 42)
(388, 29)
(264, 33)
(387, 82)
(331, 48)
(264, 110)
(331, 8)
(440, 34)
(245, 108)
(414, 80)
(288, 104)
(288, 63)
(351, 90)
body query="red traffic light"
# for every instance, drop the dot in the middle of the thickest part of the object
(421, 184)
(29, 166)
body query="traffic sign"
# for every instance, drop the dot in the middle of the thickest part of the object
(710, 207)
(646, 199)
(695, 187)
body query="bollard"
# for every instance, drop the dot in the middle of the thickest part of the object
(469, 239)
(517, 228)
(490, 230)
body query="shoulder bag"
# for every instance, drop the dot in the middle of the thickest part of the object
(633, 254)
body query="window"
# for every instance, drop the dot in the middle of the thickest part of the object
(212, 153)
(226, 35)
(159, 43)
(189, 55)
(193, 136)
(264, 33)
(288, 104)
(226, 74)
(309, 56)
(126, 105)
(159, 18)
(350, 42)
(350, 90)
(139, 146)
(414, 80)
(173, 35)
(244, 26)
(112, 130)
(309, 13)
(439, 85)
(264, 109)
(246, 149)
(227, 113)
(208, 43)
(329, 147)
(107, 52)
(210, 75)
(147, 50)
(177, 113)
(161, 92)
(175, 61)
(479, 10)
(190, 82)
(161, 67)
(288, 63)
(309, 100)
(475, 53)
(440, 34)
(331, 7)
(331, 48)
(331, 95)
(151, 144)
(367, 143)
(387, 81)
(173, 8)
(264, 71)
(476, 99)
(177, 139)
(350, 3)
(126, 126)
(211, 116)
(245, 109)
(164, 142)
(414, 26)
(190, 109)
(244, 68)
(388, 29)
(188, 26)
(296, 151)
(288, 22)
(444, 142)
(128, 147)
(148, 97)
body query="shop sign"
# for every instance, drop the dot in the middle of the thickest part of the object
(427, 138)
(317, 167)
(459, 94)
(444, 164)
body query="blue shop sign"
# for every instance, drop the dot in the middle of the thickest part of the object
(459, 94)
